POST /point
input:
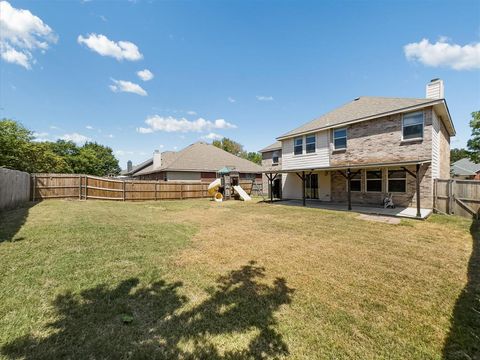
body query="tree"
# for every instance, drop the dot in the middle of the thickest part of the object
(474, 143)
(236, 149)
(96, 159)
(457, 154)
(229, 145)
(15, 142)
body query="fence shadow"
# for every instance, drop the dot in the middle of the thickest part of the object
(463, 341)
(11, 221)
(155, 322)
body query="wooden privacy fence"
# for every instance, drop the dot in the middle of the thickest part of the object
(459, 197)
(83, 187)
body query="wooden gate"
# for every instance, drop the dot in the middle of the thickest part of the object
(459, 197)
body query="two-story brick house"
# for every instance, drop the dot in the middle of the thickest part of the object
(367, 148)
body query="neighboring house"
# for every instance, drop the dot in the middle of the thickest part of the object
(272, 160)
(465, 169)
(379, 143)
(197, 162)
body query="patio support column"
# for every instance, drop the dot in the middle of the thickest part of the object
(270, 178)
(303, 188)
(349, 189)
(417, 185)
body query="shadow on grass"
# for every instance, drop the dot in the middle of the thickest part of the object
(12, 220)
(463, 340)
(155, 322)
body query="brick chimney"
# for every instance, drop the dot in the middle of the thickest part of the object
(435, 89)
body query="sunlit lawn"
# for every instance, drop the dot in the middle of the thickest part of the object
(196, 279)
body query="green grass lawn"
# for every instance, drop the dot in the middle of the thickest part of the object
(199, 280)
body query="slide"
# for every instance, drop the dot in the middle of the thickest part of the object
(243, 195)
(213, 187)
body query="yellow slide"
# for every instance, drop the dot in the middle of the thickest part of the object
(213, 190)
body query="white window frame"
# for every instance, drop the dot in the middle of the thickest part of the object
(388, 180)
(423, 125)
(314, 136)
(294, 145)
(366, 181)
(361, 182)
(341, 137)
(277, 156)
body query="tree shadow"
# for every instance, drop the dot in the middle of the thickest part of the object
(155, 322)
(463, 341)
(12, 220)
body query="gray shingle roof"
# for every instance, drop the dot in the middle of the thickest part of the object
(205, 157)
(363, 107)
(275, 146)
(465, 167)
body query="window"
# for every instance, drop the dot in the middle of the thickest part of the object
(310, 144)
(356, 182)
(397, 181)
(339, 139)
(413, 126)
(374, 180)
(298, 146)
(275, 157)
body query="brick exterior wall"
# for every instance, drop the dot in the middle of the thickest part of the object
(380, 140)
(339, 189)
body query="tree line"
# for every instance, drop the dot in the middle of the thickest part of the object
(473, 144)
(236, 148)
(19, 151)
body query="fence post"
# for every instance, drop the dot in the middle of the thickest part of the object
(123, 190)
(34, 188)
(156, 198)
(181, 191)
(86, 187)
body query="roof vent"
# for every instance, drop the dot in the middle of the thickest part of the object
(356, 99)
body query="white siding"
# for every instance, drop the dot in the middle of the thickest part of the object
(435, 146)
(291, 186)
(321, 157)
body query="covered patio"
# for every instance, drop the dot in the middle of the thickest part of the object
(349, 172)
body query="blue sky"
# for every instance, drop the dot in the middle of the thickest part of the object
(248, 70)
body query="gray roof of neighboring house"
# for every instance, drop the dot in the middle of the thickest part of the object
(201, 156)
(465, 167)
(361, 108)
(275, 146)
(137, 168)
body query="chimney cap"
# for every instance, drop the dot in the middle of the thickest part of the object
(436, 79)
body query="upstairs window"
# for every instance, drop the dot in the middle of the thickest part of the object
(275, 158)
(413, 125)
(310, 144)
(339, 139)
(397, 181)
(374, 180)
(298, 146)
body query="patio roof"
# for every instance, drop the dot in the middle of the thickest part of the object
(350, 166)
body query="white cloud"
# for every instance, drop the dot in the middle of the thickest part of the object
(121, 50)
(191, 112)
(127, 86)
(264, 98)
(171, 124)
(89, 127)
(53, 127)
(40, 136)
(76, 138)
(145, 75)
(110, 136)
(232, 100)
(123, 152)
(21, 33)
(212, 136)
(444, 54)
